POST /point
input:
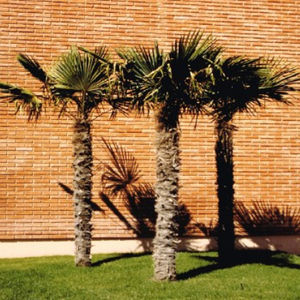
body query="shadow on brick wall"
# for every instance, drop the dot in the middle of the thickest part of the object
(263, 218)
(260, 219)
(121, 183)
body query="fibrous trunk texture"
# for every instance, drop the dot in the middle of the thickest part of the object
(167, 172)
(82, 184)
(225, 190)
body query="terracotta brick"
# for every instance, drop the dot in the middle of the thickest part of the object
(34, 157)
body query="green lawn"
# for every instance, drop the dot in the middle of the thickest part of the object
(255, 276)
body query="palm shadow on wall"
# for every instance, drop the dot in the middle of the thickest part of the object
(259, 219)
(263, 218)
(121, 184)
(208, 230)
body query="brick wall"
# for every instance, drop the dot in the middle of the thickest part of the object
(34, 157)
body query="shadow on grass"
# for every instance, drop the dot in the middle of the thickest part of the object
(118, 257)
(265, 257)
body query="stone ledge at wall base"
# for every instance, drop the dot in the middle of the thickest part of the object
(14, 249)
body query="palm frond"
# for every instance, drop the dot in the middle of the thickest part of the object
(77, 72)
(100, 53)
(144, 72)
(234, 86)
(277, 79)
(88, 79)
(81, 78)
(33, 67)
(143, 62)
(23, 99)
(191, 59)
(242, 84)
(176, 80)
(119, 104)
(192, 53)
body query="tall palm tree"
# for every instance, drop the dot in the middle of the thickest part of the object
(171, 84)
(79, 84)
(239, 85)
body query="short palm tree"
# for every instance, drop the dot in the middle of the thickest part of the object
(171, 84)
(79, 84)
(239, 85)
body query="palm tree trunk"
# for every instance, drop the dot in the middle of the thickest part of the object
(167, 172)
(82, 184)
(225, 190)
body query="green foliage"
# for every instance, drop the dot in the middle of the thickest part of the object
(76, 72)
(23, 99)
(241, 84)
(175, 80)
(144, 73)
(80, 78)
(85, 79)
(277, 79)
(33, 67)
(129, 276)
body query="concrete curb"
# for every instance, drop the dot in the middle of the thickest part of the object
(14, 249)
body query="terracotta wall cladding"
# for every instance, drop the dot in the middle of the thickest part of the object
(34, 157)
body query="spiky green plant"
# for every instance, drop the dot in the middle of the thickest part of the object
(79, 84)
(239, 84)
(172, 84)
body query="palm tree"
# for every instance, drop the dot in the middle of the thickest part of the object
(239, 85)
(82, 82)
(171, 84)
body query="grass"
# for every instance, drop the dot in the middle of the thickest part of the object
(256, 275)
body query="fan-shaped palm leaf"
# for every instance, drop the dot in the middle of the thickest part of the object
(81, 78)
(241, 84)
(78, 72)
(32, 66)
(277, 80)
(101, 53)
(23, 99)
(192, 52)
(176, 78)
(144, 70)
(191, 58)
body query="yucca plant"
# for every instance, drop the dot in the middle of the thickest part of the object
(171, 84)
(79, 84)
(239, 84)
